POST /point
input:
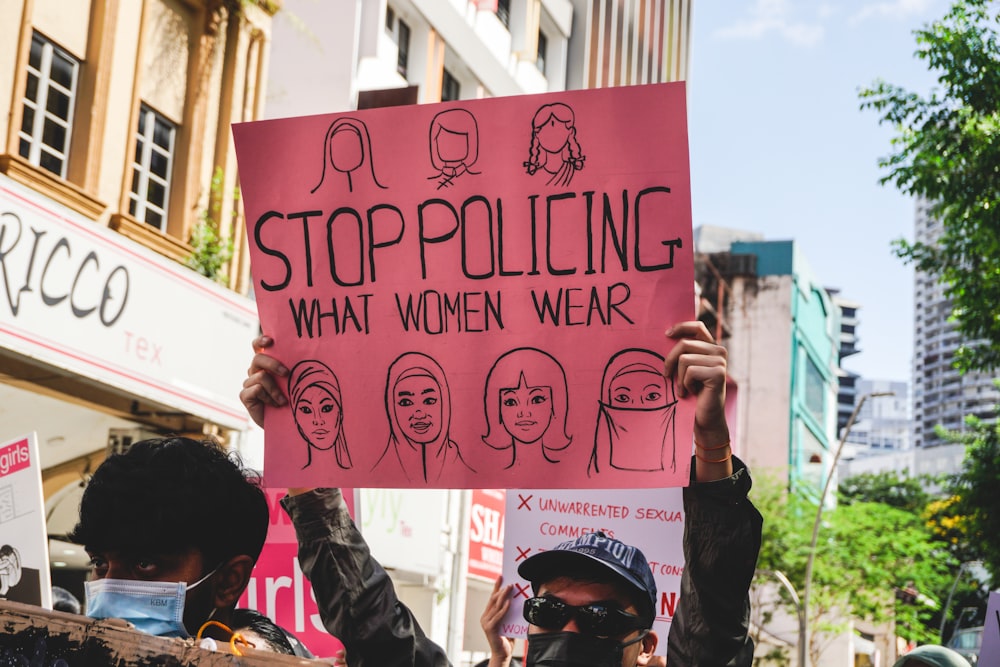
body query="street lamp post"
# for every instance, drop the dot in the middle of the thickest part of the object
(804, 626)
(947, 605)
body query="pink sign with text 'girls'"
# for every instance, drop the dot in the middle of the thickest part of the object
(474, 294)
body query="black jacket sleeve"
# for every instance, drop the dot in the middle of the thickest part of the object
(355, 596)
(722, 532)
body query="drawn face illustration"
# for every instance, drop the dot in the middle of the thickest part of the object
(638, 389)
(526, 411)
(452, 146)
(553, 135)
(317, 414)
(346, 149)
(417, 404)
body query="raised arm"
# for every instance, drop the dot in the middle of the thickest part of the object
(722, 528)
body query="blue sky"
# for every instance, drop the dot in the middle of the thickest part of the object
(779, 145)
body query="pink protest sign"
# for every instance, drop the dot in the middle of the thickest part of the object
(651, 520)
(474, 294)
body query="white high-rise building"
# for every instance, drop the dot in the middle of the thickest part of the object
(942, 396)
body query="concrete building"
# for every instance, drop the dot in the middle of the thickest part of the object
(847, 391)
(784, 342)
(116, 123)
(880, 440)
(941, 395)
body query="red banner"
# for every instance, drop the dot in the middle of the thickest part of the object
(486, 533)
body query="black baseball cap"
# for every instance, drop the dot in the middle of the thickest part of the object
(628, 563)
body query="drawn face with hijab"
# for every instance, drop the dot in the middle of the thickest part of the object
(317, 407)
(635, 424)
(637, 386)
(318, 416)
(417, 406)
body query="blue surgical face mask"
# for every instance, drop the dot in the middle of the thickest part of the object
(153, 607)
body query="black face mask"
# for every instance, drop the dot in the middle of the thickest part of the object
(572, 649)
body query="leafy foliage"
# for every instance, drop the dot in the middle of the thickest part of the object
(885, 487)
(976, 534)
(868, 556)
(211, 250)
(947, 151)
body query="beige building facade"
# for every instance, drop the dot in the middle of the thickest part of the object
(115, 153)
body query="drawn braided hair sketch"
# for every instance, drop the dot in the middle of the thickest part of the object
(554, 147)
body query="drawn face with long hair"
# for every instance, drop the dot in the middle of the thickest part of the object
(417, 405)
(637, 386)
(347, 152)
(526, 411)
(526, 400)
(553, 125)
(318, 416)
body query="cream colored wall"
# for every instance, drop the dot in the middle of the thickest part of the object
(114, 176)
(65, 23)
(760, 362)
(165, 51)
(11, 11)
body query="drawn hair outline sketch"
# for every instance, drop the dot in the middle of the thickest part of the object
(10, 568)
(615, 424)
(359, 130)
(448, 130)
(529, 368)
(554, 147)
(306, 377)
(439, 449)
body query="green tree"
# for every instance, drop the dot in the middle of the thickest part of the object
(946, 150)
(210, 249)
(889, 488)
(978, 503)
(873, 561)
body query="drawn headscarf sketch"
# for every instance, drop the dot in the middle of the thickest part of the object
(318, 409)
(418, 405)
(635, 421)
(526, 401)
(454, 145)
(554, 147)
(347, 148)
(10, 568)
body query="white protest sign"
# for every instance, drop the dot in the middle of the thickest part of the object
(650, 519)
(989, 652)
(24, 554)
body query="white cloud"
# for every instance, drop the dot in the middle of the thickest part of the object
(895, 10)
(774, 17)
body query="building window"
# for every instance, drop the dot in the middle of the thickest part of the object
(49, 95)
(450, 88)
(154, 156)
(503, 12)
(390, 18)
(543, 47)
(402, 46)
(815, 388)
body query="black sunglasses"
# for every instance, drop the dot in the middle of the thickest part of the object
(596, 619)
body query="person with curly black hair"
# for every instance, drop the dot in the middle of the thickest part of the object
(173, 527)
